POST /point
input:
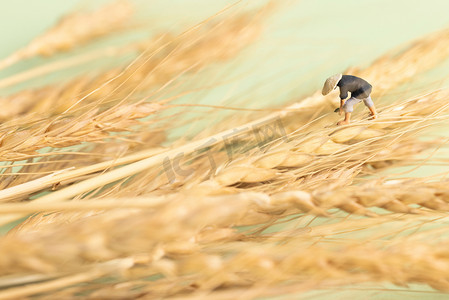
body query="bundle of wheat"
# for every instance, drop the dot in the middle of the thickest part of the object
(266, 202)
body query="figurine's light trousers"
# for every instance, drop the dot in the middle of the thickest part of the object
(348, 107)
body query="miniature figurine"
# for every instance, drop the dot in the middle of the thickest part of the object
(359, 89)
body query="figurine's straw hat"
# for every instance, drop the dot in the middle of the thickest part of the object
(330, 84)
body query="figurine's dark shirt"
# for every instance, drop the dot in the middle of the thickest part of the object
(358, 87)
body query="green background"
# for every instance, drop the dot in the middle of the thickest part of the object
(303, 43)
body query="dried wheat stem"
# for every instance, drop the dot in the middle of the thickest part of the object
(69, 175)
(36, 288)
(65, 63)
(104, 204)
(97, 272)
(137, 167)
(154, 160)
(395, 198)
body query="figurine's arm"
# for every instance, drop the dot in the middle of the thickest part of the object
(343, 96)
(343, 93)
(342, 102)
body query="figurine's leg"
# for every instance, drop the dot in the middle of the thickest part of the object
(347, 119)
(369, 103)
(348, 109)
(372, 109)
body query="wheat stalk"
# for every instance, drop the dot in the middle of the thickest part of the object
(210, 214)
(162, 60)
(246, 173)
(306, 157)
(396, 197)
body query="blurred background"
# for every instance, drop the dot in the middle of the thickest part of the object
(303, 41)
